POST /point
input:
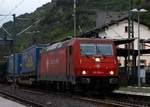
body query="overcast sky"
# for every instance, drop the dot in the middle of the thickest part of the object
(18, 7)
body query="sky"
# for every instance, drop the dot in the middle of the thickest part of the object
(18, 7)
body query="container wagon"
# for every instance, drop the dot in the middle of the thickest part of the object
(30, 62)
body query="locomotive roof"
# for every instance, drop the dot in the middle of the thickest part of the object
(57, 45)
(36, 46)
(102, 39)
(67, 42)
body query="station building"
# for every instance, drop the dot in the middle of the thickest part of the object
(114, 25)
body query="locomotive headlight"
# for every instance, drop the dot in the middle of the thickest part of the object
(84, 72)
(111, 73)
(97, 59)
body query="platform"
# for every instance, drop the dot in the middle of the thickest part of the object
(8, 103)
(141, 91)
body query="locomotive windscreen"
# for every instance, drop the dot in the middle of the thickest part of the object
(96, 49)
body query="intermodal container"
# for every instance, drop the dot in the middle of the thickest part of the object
(30, 59)
(18, 63)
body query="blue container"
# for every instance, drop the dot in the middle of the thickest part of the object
(30, 60)
(18, 64)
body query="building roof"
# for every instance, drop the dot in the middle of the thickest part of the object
(123, 41)
(5, 41)
(5, 38)
(105, 20)
(145, 41)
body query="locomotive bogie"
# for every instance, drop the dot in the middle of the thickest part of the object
(99, 83)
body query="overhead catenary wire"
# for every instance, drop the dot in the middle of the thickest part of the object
(6, 31)
(27, 28)
(21, 32)
(11, 11)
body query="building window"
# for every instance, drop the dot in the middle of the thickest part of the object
(126, 29)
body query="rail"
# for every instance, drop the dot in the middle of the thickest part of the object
(110, 100)
(22, 100)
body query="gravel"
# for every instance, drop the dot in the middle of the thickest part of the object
(48, 99)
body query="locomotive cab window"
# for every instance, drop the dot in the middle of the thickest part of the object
(104, 49)
(96, 49)
(87, 49)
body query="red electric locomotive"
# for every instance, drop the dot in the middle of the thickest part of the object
(88, 63)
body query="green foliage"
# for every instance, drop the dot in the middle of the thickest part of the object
(139, 2)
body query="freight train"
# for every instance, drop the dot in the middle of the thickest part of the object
(83, 63)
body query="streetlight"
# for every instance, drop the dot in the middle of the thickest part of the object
(138, 11)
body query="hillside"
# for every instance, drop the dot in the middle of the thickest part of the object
(56, 19)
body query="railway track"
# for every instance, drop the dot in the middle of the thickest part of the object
(113, 100)
(95, 101)
(100, 102)
(119, 100)
(12, 96)
(130, 100)
(21, 100)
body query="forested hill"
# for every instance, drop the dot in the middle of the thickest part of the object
(54, 20)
